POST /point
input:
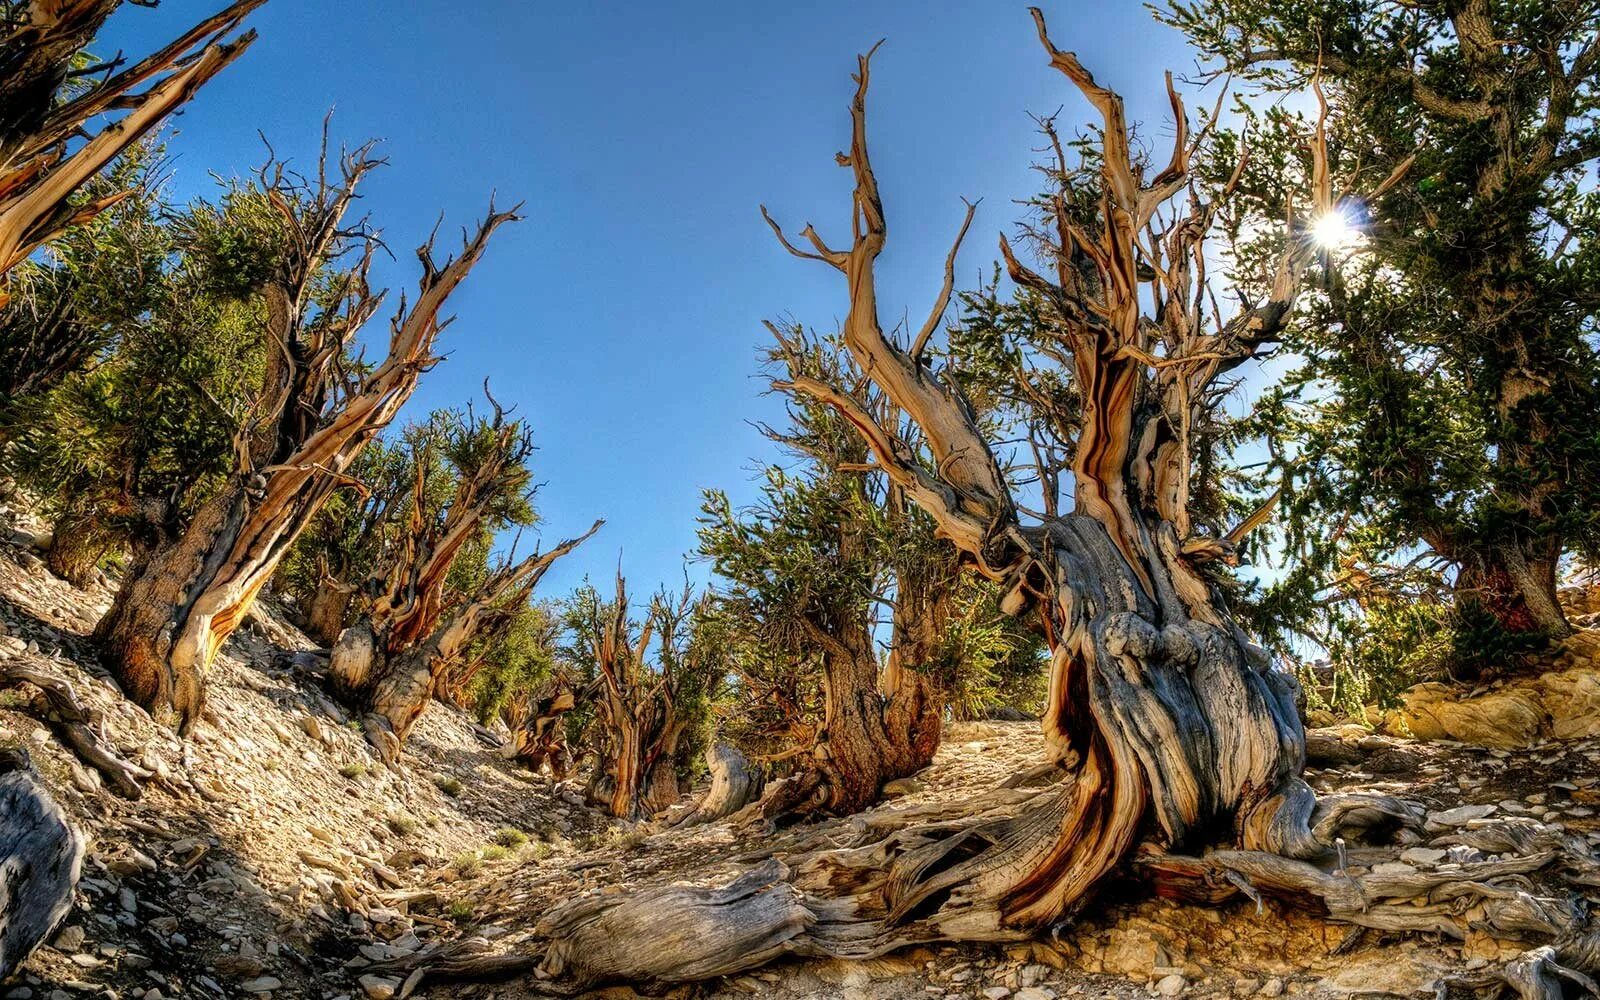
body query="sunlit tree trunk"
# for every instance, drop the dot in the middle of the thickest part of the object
(172, 615)
(1164, 720)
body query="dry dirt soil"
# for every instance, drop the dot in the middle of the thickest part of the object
(272, 856)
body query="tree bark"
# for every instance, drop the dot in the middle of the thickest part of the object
(874, 731)
(78, 543)
(41, 856)
(1516, 585)
(173, 613)
(325, 613)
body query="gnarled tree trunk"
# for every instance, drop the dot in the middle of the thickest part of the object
(538, 739)
(173, 613)
(1165, 721)
(390, 681)
(325, 613)
(879, 724)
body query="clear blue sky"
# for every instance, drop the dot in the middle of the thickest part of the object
(623, 315)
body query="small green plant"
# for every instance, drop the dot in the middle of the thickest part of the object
(494, 852)
(402, 823)
(353, 771)
(539, 850)
(460, 910)
(510, 836)
(467, 865)
(451, 786)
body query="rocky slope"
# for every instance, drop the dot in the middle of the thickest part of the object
(272, 856)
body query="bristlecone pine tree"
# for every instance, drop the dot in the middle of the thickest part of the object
(807, 569)
(1171, 730)
(314, 414)
(643, 709)
(1449, 373)
(45, 108)
(412, 629)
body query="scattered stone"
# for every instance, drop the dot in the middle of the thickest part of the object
(1171, 985)
(378, 987)
(261, 984)
(69, 938)
(1461, 815)
(1422, 855)
(1271, 988)
(901, 787)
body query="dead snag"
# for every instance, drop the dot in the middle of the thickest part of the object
(41, 855)
(735, 784)
(315, 413)
(40, 167)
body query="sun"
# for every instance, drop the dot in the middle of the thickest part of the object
(1334, 230)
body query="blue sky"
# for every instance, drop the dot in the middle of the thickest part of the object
(622, 317)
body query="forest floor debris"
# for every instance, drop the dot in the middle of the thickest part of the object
(275, 856)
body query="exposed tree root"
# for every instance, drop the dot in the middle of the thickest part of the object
(1512, 879)
(74, 724)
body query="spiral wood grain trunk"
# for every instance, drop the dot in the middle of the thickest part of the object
(1166, 723)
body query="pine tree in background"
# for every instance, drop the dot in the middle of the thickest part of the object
(1437, 442)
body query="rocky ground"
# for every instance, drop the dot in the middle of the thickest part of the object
(272, 855)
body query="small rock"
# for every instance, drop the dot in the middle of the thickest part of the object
(378, 987)
(997, 993)
(261, 984)
(901, 787)
(1422, 855)
(69, 938)
(1172, 985)
(1461, 815)
(1271, 988)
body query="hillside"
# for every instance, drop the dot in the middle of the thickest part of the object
(273, 856)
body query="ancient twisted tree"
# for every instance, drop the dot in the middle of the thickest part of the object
(1170, 730)
(48, 101)
(413, 627)
(314, 413)
(829, 552)
(1449, 371)
(653, 684)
